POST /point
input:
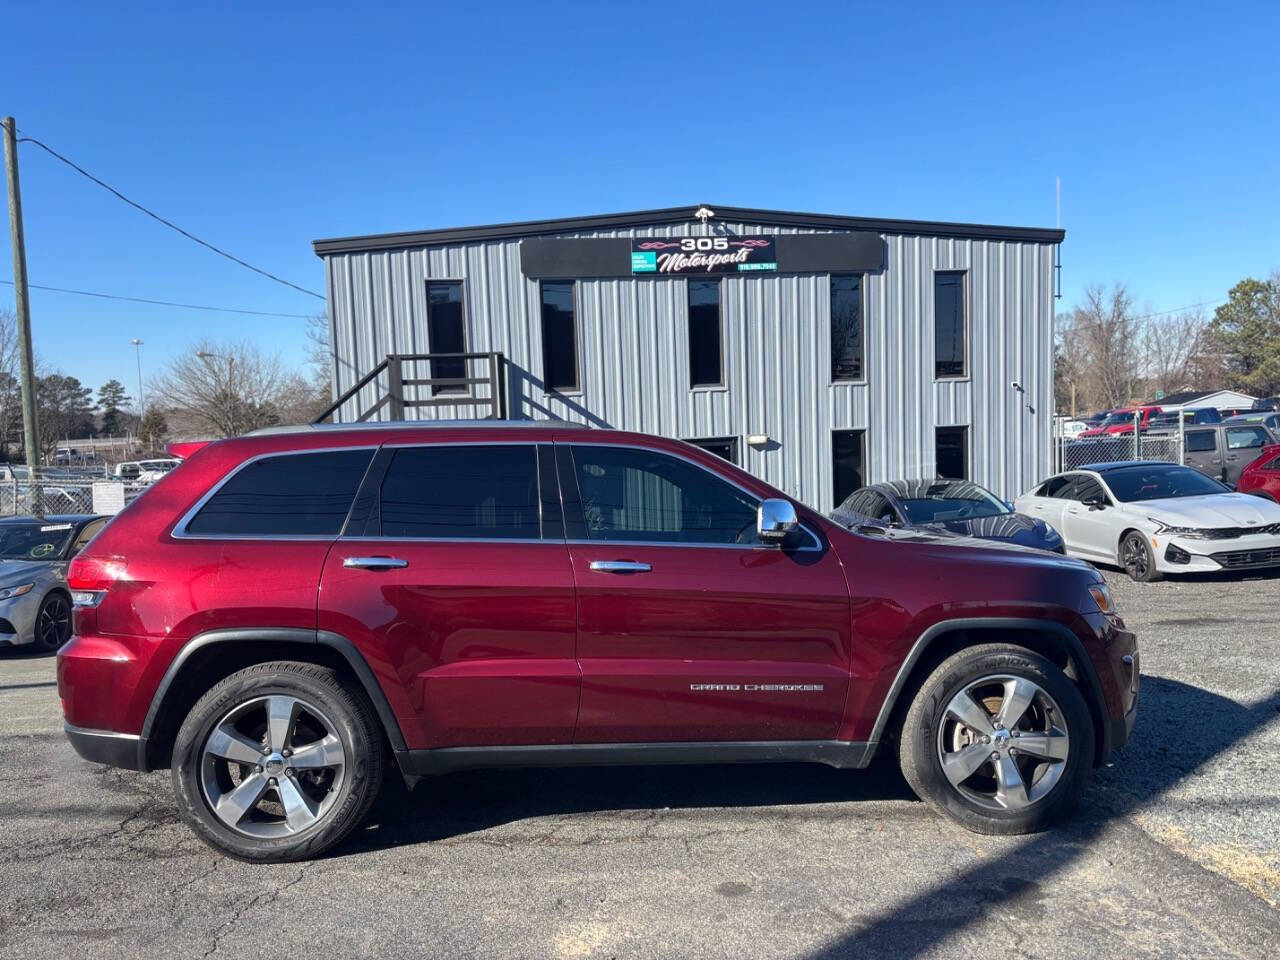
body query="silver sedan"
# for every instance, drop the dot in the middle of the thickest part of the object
(35, 607)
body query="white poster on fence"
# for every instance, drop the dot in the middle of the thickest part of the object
(108, 496)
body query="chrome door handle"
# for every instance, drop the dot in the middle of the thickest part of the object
(620, 566)
(375, 563)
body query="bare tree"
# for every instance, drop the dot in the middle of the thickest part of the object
(231, 389)
(1099, 349)
(1171, 350)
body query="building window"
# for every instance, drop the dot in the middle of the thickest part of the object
(704, 334)
(446, 333)
(949, 324)
(951, 452)
(726, 448)
(847, 457)
(846, 328)
(559, 337)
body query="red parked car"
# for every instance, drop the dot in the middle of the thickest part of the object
(1262, 476)
(285, 613)
(1120, 422)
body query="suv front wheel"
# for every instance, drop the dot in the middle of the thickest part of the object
(999, 739)
(277, 762)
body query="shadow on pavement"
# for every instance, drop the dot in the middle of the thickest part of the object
(1159, 757)
(469, 801)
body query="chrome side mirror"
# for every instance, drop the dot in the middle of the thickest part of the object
(775, 520)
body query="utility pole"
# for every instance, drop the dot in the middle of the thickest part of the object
(30, 428)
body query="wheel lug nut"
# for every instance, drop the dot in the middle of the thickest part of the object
(1013, 752)
(986, 739)
(265, 751)
(272, 781)
(258, 768)
(995, 756)
(286, 752)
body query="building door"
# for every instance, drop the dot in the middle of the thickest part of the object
(689, 629)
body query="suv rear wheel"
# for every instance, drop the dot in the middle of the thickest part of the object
(277, 762)
(998, 739)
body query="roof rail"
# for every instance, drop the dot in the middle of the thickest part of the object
(415, 425)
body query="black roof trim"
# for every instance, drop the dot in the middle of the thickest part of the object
(667, 215)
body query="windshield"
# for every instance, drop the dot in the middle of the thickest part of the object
(952, 501)
(34, 541)
(1133, 484)
(1115, 419)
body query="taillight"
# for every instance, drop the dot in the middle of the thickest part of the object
(90, 577)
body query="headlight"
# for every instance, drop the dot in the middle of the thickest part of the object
(1101, 594)
(1171, 531)
(9, 593)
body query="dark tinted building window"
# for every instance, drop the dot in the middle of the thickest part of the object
(951, 452)
(301, 494)
(704, 333)
(724, 447)
(631, 494)
(559, 337)
(446, 332)
(949, 332)
(846, 328)
(847, 459)
(461, 492)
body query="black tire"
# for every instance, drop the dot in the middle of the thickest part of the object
(343, 711)
(920, 747)
(53, 622)
(1137, 559)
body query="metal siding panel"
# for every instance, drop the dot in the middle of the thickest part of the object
(633, 353)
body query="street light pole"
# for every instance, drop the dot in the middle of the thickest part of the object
(137, 346)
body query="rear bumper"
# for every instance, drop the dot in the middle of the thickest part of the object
(125, 750)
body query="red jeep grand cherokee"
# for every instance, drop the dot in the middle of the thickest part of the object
(287, 611)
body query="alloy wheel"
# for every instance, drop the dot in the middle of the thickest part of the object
(272, 767)
(53, 623)
(1003, 742)
(1135, 557)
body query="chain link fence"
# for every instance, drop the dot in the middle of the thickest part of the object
(1166, 444)
(53, 495)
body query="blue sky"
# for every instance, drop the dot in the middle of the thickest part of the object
(262, 129)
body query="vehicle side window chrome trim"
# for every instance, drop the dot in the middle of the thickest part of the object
(579, 536)
(179, 531)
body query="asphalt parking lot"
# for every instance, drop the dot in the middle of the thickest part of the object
(1174, 852)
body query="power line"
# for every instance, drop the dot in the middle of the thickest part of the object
(163, 303)
(168, 223)
(1189, 306)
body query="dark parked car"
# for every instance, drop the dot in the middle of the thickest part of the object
(1190, 416)
(1223, 450)
(1267, 403)
(1270, 420)
(949, 506)
(286, 613)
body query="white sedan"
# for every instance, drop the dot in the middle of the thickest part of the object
(1156, 518)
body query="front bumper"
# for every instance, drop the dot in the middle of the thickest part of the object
(106, 746)
(1187, 555)
(18, 619)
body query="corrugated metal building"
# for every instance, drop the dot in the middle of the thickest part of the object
(818, 352)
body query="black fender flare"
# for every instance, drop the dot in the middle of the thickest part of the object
(1066, 639)
(334, 641)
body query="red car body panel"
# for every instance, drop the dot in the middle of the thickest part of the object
(1120, 429)
(497, 644)
(1262, 476)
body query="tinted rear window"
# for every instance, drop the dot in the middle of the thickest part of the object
(465, 492)
(298, 494)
